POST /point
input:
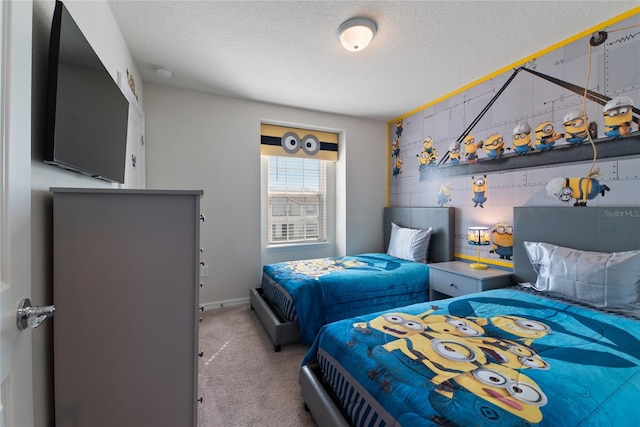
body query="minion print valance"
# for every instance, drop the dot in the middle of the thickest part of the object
(286, 141)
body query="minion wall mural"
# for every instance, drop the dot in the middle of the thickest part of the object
(479, 190)
(502, 240)
(544, 131)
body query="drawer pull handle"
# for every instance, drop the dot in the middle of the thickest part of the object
(452, 285)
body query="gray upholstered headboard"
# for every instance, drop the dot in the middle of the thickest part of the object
(601, 229)
(440, 219)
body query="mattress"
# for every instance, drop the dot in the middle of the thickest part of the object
(319, 291)
(504, 357)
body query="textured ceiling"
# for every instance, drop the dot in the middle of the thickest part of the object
(288, 53)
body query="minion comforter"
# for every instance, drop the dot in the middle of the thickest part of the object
(505, 357)
(319, 291)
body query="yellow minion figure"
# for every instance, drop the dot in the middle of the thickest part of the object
(498, 395)
(436, 356)
(514, 328)
(576, 127)
(580, 189)
(453, 325)
(471, 148)
(522, 138)
(399, 127)
(454, 152)
(388, 327)
(479, 190)
(395, 147)
(618, 117)
(502, 240)
(546, 136)
(510, 353)
(444, 194)
(397, 167)
(494, 146)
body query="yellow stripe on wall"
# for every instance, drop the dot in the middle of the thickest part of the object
(516, 64)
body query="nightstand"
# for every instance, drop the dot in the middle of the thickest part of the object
(455, 278)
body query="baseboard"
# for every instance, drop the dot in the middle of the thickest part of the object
(215, 305)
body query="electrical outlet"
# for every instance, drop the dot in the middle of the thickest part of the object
(204, 270)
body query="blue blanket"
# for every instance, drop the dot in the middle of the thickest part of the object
(499, 358)
(329, 289)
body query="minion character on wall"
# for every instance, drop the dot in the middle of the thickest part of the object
(576, 127)
(618, 117)
(580, 189)
(444, 195)
(546, 136)
(502, 240)
(397, 167)
(428, 156)
(399, 127)
(479, 190)
(424, 159)
(427, 147)
(494, 146)
(454, 152)
(395, 147)
(471, 148)
(522, 138)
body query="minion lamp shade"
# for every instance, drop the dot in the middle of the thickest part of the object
(356, 33)
(478, 236)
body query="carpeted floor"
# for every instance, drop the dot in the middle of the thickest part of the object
(242, 381)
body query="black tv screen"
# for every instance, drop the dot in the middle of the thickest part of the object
(87, 114)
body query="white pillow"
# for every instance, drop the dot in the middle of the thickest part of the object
(409, 243)
(609, 280)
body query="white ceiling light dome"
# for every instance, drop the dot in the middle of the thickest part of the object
(356, 33)
(164, 72)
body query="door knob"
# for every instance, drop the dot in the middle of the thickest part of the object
(32, 316)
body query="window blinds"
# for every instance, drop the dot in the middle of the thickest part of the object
(297, 200)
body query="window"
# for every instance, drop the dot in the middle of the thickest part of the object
(296, 200)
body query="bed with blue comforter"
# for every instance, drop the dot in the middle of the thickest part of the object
(507, 357)
(319, 291)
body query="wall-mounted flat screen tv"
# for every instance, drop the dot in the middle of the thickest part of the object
(87, 114)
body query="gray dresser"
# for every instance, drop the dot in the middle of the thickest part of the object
(125, 288)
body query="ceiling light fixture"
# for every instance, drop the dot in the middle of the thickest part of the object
(163, 72)
(356, 33)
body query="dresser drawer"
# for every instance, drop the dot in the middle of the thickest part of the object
(452, 284)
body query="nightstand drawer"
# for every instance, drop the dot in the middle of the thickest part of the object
(452, 284)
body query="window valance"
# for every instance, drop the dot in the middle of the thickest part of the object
(289, 141)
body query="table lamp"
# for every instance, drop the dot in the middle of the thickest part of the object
(478, 236)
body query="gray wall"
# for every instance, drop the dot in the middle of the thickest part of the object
(208, 142)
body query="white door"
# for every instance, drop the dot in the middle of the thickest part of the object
(16, 391)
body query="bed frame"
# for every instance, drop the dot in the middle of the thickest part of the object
(441, 245)
(601, 229)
